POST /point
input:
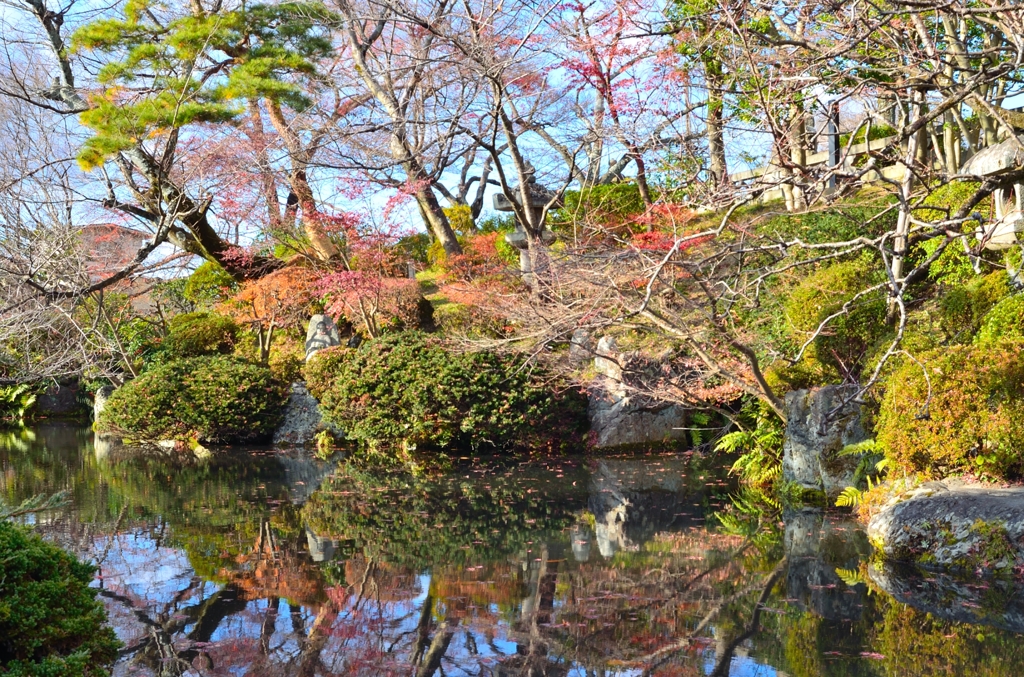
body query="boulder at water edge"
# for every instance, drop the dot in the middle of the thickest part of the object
(302, 419)
(620, 418)
(818, 426)
(953, 525)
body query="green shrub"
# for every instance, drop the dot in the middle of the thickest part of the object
(287, 356)
(964, 307)
(945, 200)
(414, 247)
(952, 267)
(846, 339)
(1005, 322)
(619, 199)
(974, 421)
(460, 218)
(209, 284)
(808, 372)
(404, 389)
(838, 222)
(50, 622)
(202, 333)
(498, 513)
(878, 131)
(212, 398)
(613, 205)
(457, 319)
(921, 334)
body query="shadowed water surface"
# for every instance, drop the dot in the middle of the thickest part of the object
(263, 562)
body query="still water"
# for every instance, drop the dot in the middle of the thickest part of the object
(263, 562)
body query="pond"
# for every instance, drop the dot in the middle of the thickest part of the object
(263, 562)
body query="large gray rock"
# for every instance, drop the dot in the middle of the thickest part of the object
(303, 474)
(321, 333)
(321, 549)
(620, 418)
(99, 402)
(815, 548)
(61, 399)
(581, 347)
(631, 503)
(952, 525)
(815, 434)
(302, 419)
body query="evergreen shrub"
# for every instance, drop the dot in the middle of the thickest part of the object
(838, 222)
(405, 389)
(945, 200)
(200, 333)
(213, 398)
(974, 420)
(50, 622)
(287, 356)
(846, 339)
(613, 205)
(963, 308)
(209, 284)
(1004, 322)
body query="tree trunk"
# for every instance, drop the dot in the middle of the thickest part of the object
(950, 143)
(268, 184)
(431, 210)
(716, 129)
(906, 188)
(797, 154)
(312, 222)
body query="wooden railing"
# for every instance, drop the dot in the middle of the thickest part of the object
(772, 176)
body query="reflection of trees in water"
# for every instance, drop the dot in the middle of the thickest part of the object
(208, 567)
(422, 521)
(247, 592)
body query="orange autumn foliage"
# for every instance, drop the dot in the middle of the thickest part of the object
(282, 298)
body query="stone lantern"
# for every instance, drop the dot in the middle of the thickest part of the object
(1002, 232)
(538, 197)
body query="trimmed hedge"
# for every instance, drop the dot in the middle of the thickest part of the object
(404, 389)
(974, 421)
(50, 622)
(209, 284)
(212, 398)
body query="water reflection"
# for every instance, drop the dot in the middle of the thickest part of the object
(271, 563)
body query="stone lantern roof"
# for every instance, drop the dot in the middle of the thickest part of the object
(1003, 231)
(996, 159)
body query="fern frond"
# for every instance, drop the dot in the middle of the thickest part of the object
(865, 447)
(734, 441)
(851, 497)
(851, 577)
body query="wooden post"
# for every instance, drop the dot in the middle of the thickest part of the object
(833, 143)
